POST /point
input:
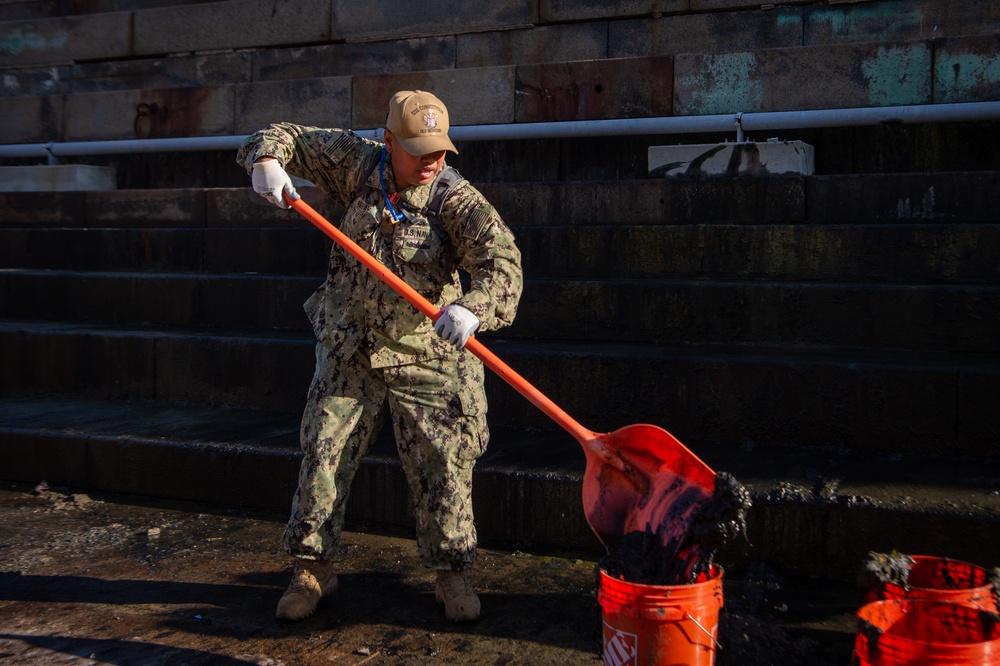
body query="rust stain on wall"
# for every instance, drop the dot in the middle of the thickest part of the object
(573, 101)
(171, 113)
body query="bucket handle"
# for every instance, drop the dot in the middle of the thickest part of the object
(707, 632)
(674, 615)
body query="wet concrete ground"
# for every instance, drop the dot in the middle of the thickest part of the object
(104, 579)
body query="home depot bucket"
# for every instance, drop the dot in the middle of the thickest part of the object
(660, 625)
(905, 632)
(940, 579)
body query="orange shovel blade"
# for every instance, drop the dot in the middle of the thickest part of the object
(659, 487)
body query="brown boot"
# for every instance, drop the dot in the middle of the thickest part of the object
(455, 593)
(311, 581)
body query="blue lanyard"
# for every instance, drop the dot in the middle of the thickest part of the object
(396, 216)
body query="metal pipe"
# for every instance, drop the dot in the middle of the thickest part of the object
(882, 115)
(589, 128)
(724, 123)
(121, 147)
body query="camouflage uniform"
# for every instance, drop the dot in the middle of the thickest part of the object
(376, 351)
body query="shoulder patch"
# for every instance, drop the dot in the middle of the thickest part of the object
(480, 221)
(346, 142)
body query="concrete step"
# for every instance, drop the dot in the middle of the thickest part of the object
(785, 314)
(831, 252)
(197, 208)
(840, 199)
(927, 198)
(868, 400)
(816, 510)
(937, 199)
(908, 228)
(942, 318)
(193, 300)
(257, 250)
(254, 370)
(905, 252)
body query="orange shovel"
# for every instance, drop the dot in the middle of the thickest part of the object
(637, 478)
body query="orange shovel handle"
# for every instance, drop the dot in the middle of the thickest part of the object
(520, 384)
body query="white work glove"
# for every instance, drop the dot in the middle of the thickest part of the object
(270, 180)
(456, 324)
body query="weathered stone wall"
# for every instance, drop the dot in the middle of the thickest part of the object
(110, 71)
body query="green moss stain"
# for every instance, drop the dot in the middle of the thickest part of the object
(786, 19)
(897, 75)
(725, 84)
(876, 22)
(966, 77)
(17, 42)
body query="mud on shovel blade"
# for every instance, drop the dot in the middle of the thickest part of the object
(637, 477)
(665, 486)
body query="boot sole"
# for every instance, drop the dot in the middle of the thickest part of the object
(439, 598)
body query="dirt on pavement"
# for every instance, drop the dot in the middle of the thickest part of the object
(108, 579)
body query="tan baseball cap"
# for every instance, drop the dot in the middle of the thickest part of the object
(419, 120)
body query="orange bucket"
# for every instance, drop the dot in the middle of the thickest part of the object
(940, 579)
(918, 632)
(660, 625)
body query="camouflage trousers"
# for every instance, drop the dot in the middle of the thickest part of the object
(438, 411)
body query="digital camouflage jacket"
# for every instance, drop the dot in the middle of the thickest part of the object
(354, 307)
